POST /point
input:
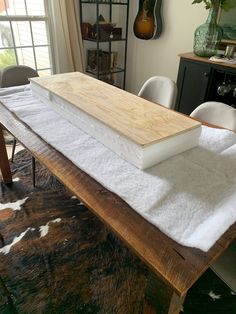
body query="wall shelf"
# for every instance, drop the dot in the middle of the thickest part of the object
(116, 70)
(105, 40)
(105, 3)
(105, 56)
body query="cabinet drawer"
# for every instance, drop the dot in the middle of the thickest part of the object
(193, 81)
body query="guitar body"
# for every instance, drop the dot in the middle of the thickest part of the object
(148, 23)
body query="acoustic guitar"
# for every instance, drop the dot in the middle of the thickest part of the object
(148, 23)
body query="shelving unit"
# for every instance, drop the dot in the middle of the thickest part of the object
(104, 26)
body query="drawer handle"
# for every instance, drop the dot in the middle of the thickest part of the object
(206, 74)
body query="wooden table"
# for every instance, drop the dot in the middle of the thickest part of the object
(173, 268)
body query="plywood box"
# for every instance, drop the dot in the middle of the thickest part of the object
(139, 131)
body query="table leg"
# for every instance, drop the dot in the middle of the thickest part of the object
(160, 298)
(4, 162)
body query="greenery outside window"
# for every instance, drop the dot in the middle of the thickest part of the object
(24, 36)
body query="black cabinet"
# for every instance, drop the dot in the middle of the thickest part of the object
(200, 80)
(104, 27)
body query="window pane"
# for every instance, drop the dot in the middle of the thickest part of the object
(2, 7)
(7, 57)
(5, 35)
(29, 39)
(45, 72)
(39, 33)
(42, 57)
(22, 34)
(16, 7)
(26, 56)
(35, 7)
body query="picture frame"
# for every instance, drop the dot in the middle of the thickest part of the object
(226, 19)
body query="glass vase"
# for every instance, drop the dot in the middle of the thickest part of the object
(208, 35)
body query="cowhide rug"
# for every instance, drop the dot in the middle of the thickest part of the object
(57, 257)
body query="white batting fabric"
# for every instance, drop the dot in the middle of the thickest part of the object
(190, 197)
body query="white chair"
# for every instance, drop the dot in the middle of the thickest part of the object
(225, 116)
(159, 89)
(216, 113)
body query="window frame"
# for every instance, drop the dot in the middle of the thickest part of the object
(30, 19)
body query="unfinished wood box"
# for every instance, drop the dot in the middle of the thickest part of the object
(139, 131)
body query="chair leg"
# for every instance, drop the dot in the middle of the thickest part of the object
(13, 150)
(33, 171)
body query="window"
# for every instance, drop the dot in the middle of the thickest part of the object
(24, 37)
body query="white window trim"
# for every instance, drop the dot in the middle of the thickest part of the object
(30, 18)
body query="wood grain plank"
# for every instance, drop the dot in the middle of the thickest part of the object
(141, 121)
(178, 266)
(159, 298)
(4, 164)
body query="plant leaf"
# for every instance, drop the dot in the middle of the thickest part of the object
(226, 5)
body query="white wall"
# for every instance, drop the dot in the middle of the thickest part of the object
(160, 56)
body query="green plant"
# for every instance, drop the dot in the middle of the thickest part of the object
(7, 57)
(224, 4)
